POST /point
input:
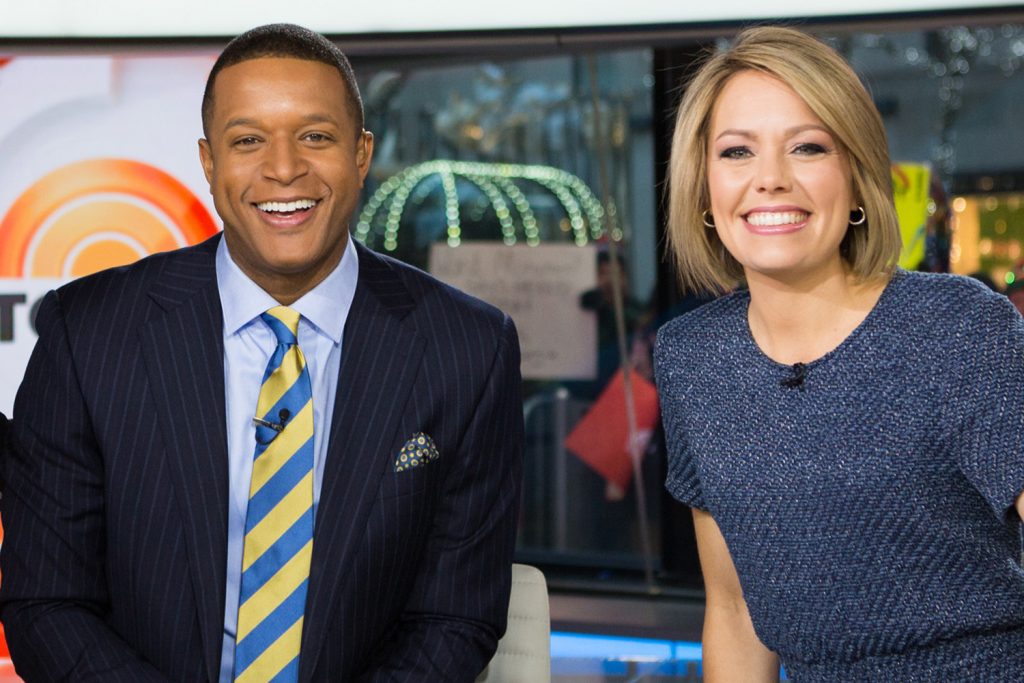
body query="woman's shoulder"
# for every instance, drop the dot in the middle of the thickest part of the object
(697, 327)
(950, 301)
(950, 283)
(954, 318)
(696, 336)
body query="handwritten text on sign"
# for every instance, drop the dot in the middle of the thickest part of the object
(539, 287)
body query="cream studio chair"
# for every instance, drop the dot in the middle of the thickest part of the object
(524, 653)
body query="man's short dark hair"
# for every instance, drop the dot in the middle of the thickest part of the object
(284, 40)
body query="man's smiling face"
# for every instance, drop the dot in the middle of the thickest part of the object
(285, 163)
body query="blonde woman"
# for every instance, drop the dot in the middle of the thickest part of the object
(849, 434)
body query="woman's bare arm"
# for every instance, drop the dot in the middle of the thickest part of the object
(732, 651)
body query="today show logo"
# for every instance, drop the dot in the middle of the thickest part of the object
(91, 215)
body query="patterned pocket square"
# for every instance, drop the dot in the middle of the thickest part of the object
(417, 451)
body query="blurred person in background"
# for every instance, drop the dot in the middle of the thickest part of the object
(601, 300)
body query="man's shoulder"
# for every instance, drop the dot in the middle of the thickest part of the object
(427, 295)
(190, 267)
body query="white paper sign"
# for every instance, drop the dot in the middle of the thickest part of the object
(539, 287)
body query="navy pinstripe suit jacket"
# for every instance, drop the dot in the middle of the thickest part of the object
(116, 502)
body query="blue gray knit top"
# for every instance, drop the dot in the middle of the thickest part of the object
(869, 508)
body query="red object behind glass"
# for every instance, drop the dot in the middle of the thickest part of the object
(601, 438)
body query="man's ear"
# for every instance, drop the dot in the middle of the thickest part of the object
(364, 154)
(206, 158)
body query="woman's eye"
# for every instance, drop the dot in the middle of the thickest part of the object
(735, 153)
(809, 148)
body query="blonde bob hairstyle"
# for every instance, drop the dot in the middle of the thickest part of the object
(836, 96)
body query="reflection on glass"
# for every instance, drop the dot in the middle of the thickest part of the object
(505, 154)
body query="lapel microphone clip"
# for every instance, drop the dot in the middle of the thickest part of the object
(278, 427)
(796, 379)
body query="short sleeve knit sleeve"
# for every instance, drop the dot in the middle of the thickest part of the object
(988, 409)
(683, 480)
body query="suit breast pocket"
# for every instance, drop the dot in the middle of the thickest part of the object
(408, 482)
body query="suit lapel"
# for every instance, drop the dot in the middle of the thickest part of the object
(381, 356)
(184, 351)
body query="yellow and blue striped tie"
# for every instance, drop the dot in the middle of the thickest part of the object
(279, 521)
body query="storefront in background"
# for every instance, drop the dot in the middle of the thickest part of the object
(488, 172)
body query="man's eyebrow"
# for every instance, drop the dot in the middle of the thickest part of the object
(320, 118)
(239, 122)
(309, 118)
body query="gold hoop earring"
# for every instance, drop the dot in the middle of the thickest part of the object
(863, 216)
(707, 219)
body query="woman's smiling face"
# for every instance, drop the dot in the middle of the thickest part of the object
(780, 185)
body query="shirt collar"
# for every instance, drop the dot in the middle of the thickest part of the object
(326, 306)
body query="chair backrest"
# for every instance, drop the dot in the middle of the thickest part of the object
(524, 653)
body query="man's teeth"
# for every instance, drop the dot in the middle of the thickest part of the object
(287, 207)
(776, 217)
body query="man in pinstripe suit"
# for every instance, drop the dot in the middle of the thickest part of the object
(126, 500)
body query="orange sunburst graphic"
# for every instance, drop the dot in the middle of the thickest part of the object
(98, 214)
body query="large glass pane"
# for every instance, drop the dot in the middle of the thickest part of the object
(952, 98)
(488, 174)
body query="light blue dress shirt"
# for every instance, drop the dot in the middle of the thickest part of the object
(248, 344)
